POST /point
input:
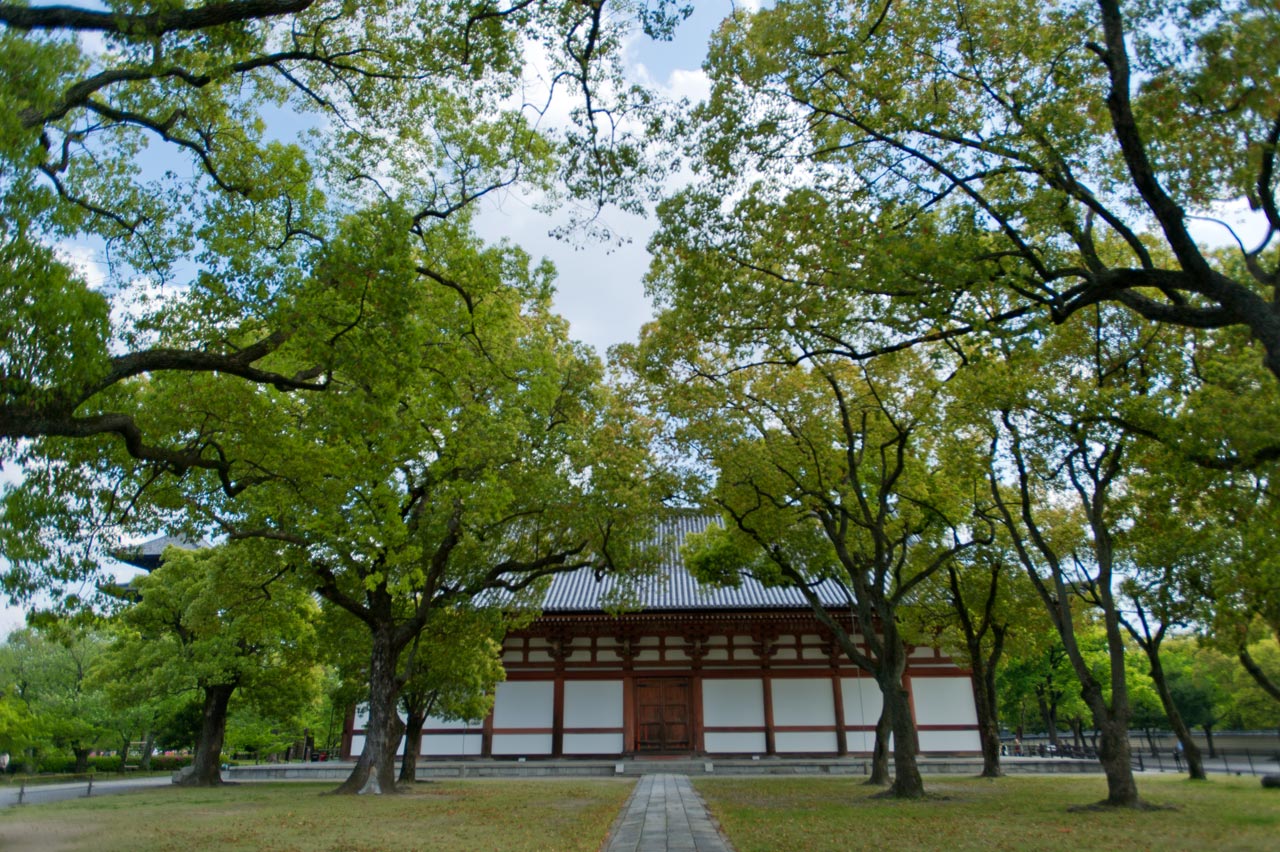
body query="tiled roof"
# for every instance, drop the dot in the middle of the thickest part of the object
(673, 588)
(147, 554)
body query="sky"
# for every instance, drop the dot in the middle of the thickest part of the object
(600, 288)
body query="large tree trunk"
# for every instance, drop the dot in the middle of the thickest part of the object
(907, 783)
(1114, 751)
(880, 751)
(985, 702)
(375, 770)
(415, 718)
(1117, 764)
(205, 769)
(82, 760)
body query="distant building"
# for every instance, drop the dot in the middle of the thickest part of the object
(695, 670)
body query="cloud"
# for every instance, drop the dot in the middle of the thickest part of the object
(86, 260)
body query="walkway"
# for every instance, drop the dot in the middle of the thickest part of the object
(40, 793)
(664, 814)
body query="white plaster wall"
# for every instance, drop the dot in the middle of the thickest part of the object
(735, 743)
(803, 701)
(522, 744)
(943, 701)
(732, 703)
(806, 741)
(452, 745)
(593, 704)
(357, 745)
(452, 725)
(949, 741)
(862, 701)
(524, 704)
(863, 740)
(592, 743)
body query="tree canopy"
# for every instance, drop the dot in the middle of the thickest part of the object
(207, 152)
(466, 448)
(942, 170)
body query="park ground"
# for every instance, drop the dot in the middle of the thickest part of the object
(1019, 813)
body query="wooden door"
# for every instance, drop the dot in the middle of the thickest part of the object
(663, 715)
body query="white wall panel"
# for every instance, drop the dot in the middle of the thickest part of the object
(862, 701)
(357, 745)
(452, 745)
(806, 701)
(943, 701)
(735, 743)
(521, 744)
(593, 704)
(863, 741)
(805, 741)
(592, 743)
(949, 741)
(732, 703)
(524, 704)
(452, 724)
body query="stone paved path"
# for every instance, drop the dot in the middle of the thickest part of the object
(664, 814)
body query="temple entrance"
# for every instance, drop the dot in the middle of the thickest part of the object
(663, 716)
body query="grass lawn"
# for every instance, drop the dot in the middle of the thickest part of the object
(446, 816)
(1018, 813)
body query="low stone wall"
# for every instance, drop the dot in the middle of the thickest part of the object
(433, 769)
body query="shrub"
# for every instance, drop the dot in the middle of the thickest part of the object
(169, 762)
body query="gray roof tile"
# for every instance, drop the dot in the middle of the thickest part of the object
(673, 587)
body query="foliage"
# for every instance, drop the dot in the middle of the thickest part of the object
(465, 448)
(206, 617)
(980, 169)
(205, 158)
(825, 472)
(50, 676)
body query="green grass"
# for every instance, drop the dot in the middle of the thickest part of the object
(1018, 813)
(449, 816)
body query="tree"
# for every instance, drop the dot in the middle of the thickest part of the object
(1161, 596)
(992, 165)
(1205, 538)
(980, 608)
(49, 673)
(273, 119)
(465, 449)
(1036, 672)
(215, 623)
(1058, 481)
(455, 666)
(827, 472)
(17, 725)
(1194, 689)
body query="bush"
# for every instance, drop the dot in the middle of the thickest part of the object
(57, 764)
(169, 762)
(65, 764)
(106, 764)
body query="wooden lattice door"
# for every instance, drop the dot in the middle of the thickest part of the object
(663, 715)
